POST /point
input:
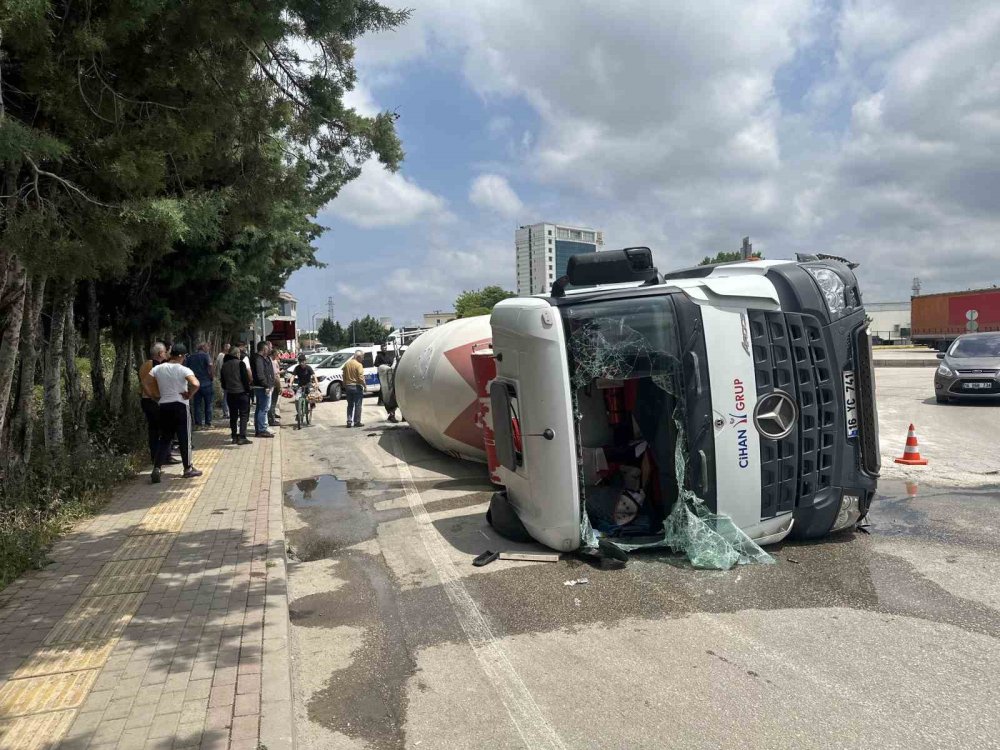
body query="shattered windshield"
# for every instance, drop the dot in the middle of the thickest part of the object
(617, 339)
(632, 448)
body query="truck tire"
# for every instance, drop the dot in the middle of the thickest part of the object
(504, 520)
(335, 392)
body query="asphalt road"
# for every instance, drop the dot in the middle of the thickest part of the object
(881, 640)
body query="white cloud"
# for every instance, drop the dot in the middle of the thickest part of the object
(493, 193)
(380, 198)
(360, 99)
(668, 124)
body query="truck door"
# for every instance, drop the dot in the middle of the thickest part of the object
(533, 416)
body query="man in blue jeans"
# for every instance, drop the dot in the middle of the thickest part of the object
(263, 382)
(200, 363)
(353, 374)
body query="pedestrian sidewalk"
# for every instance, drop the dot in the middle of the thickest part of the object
(160, 623)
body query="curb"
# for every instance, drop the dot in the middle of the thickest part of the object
(906, 362)
(276, 725)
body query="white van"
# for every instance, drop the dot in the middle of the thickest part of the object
(329, 371)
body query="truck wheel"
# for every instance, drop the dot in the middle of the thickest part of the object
(334, 392)
(504, 520)
(942, 399)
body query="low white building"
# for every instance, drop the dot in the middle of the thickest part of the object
(890, 321)
(438, 317)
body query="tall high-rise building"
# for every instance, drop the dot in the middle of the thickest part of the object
(543, 251)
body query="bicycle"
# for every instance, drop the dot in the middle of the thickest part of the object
(303, 406)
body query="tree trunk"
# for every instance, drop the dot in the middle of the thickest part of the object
(98, 387)
(53, 410)
(119, 377)
(131, 375)
(11, 312)
(74, 393)
(23, 432)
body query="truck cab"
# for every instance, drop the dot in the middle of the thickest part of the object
(746, 389)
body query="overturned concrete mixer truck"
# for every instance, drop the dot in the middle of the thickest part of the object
(722, 406)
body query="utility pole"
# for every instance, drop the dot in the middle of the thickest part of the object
(916, 286)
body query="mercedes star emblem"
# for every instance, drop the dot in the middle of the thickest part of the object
(775, 415)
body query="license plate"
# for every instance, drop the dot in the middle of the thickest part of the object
(850, 404)
(977, 386)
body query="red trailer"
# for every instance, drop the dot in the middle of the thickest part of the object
(938, 319)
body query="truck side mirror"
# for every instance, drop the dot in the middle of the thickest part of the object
(940, 355)
(503, 431)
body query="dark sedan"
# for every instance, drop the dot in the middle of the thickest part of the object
(969, 369)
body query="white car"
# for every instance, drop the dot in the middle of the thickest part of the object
(329, 371)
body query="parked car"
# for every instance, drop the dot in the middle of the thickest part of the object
(329, 370)
(969, 369)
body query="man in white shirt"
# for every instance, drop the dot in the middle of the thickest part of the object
(176, 384)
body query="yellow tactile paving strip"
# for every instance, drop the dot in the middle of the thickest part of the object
(124, 577)
(58, 659)
(138, 547)
(158, 523)
(47, 693)
(36, 732)
(95, 617)
(37, 705)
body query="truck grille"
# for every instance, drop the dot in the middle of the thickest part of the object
(871, 457)
(790, 354)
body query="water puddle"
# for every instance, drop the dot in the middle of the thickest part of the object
(336, 513)
(318, 492)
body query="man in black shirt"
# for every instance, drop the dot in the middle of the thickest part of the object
(303, 373)
(262, 372)
(236, 383)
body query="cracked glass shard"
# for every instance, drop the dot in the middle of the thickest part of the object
(606, 348)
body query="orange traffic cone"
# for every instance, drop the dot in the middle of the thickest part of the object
(911, 453)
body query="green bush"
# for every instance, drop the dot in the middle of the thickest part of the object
(42, 500)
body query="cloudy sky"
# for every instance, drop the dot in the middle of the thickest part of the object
(864, 128)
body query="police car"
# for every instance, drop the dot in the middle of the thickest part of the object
(329, 370)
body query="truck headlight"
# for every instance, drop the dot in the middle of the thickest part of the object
(943, 369)
(832, 287)
(850, 512)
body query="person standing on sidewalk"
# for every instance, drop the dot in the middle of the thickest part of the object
(200, 363)
(353, 375)
(263, 384)
(220, 358)
(273, 418)
(235, 379)
(176, 384)
(150, 398)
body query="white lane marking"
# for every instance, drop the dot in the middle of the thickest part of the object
(527, 717)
